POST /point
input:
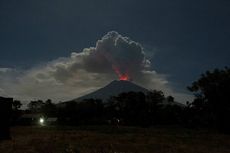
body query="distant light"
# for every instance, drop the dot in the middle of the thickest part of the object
(41, 121)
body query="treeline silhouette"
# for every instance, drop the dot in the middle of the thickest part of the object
(131, 108)
(210, 108)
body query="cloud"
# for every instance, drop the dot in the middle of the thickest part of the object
(82, 72)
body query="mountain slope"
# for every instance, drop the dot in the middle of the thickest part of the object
(112, 89)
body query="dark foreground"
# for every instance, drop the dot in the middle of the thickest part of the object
(114, 140)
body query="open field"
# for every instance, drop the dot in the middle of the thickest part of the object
(112, 139)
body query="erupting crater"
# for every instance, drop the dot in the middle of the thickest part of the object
(121, 76)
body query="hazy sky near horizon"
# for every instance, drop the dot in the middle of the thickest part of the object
(181, 39)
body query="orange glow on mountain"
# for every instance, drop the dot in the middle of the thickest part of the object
(122, 76)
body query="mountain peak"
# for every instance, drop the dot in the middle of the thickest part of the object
(114, 88)
(120, 82)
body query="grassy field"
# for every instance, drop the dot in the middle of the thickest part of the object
(114, 140)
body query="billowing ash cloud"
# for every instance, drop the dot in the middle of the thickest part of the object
(113, 57)
(125, 56)
(113, 53)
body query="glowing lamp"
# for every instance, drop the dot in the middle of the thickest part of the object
(41, 120)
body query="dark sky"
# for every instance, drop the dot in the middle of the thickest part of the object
(183, 38)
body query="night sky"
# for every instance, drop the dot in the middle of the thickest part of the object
(182, 39)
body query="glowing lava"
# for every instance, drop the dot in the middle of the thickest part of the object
(124, 77)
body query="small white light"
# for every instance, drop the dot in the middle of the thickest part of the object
(41, 120)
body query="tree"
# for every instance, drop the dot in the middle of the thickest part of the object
(212, 92)
(36, 106)
(128, 106)
(16, 104)
(170, 99)
(155, 96)
(49, 109)
(137, 108)
(87, 111)
(154, 101)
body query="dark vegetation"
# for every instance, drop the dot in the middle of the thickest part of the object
(211, 106)
(129, 109)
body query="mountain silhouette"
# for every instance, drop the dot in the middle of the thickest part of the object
(114, 88)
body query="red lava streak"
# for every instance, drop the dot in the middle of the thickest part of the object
(121, 76)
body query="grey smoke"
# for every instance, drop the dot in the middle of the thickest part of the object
(113, 50)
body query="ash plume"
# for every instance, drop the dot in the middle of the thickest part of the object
(115, 53)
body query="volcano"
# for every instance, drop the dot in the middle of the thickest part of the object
(114, 88)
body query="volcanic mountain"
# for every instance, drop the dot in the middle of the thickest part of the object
(113, 89)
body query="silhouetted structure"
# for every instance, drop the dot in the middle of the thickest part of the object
(5, 115)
